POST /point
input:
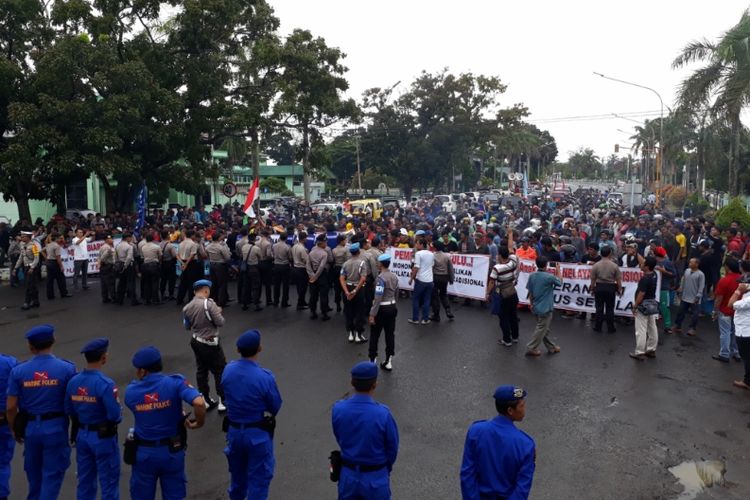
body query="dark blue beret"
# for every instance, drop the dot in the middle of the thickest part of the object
(509, 393)
(249, 340)
(365, 370)
(146, 356)
(354, 248)
(41, 333)
(201, 283)
(96, 345)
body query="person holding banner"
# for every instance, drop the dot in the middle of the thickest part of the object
(502, 280)
(541, 287)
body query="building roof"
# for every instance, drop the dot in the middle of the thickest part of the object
(278, 170)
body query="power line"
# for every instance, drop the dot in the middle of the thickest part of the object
(605, 116)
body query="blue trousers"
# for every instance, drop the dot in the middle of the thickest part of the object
(46, 457)
(157, 464)
(97, 457)
(727, 340)
(7, 444)
(251, 463)
(420, 301)
(355, 485)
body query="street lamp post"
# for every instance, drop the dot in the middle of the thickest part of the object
(661, 131)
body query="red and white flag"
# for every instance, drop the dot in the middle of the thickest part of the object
(252, 195)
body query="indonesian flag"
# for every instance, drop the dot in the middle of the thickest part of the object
(252, 195)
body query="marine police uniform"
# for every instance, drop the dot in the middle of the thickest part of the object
(384, 313)
(368, 437)
(499, 458)
(7, 443)
(156, 403)
(251, 393)
(39, 384)
(92, 403)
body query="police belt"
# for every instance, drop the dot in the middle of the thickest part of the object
(3, 419)
(153, 444)
(97, 427)
(390, 303)
(47, 416)
(211, 341)
(352, 284)
(363, 468)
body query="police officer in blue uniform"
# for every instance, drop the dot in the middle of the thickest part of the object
(252, 400)
(91, 402)
(7, 443)
(499, 459)
(368, 437)
(156, 402)
(36, 413)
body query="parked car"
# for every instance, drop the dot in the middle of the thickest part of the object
(446, 202)
(322, 207)
(71, 213)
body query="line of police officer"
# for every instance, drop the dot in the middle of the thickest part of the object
(45, 393)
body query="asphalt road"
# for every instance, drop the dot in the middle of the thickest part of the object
(605, 426)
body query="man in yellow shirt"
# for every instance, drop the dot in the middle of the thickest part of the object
(679, 263)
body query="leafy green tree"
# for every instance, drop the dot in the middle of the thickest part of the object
(585, 164)
(274, 185)
(311, 92)
(722, 84)
(734, 211)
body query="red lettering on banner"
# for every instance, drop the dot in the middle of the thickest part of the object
(569, 273)
(403, 254)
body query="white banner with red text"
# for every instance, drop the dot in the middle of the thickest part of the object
(470, 272)
(68, 258)
(575, 293)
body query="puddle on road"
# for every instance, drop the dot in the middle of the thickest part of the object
(697, 476)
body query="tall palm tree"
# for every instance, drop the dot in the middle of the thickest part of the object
(723, 84)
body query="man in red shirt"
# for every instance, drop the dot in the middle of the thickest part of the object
(735, 244)
(725, 314)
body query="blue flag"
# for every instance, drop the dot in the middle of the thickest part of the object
(140, 205)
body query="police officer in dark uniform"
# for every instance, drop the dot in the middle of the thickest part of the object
(352, 281)
(368, 437)
(156, 402)
(253, 401)
(318, 263)
(499, 459)
(36, 413)
(7, 443)
(91, 402)
(252, 257)
(383, 313)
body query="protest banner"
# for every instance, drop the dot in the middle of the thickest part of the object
(68, 258)
(470, 272)
(575, 293)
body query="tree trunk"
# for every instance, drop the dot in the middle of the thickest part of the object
(306, 162)
(22, 201)
(255, 161)
(734, 155)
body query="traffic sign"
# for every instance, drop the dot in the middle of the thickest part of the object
(229, 189)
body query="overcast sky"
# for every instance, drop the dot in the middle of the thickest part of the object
(545, 51)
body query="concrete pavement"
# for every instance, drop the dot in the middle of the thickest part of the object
(605, 426)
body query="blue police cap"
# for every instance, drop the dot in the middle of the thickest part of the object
(365, 370)
(419, 233)
(386, 257)
(249, 340)
(41, 333)
(96, 345)
(354, 248)
(146, 356)
(509, 393)
(201, 283)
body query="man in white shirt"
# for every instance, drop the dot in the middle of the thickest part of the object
(421, 276)
(740, 302)
(81, 258)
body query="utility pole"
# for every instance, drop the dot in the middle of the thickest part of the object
(359, 172)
